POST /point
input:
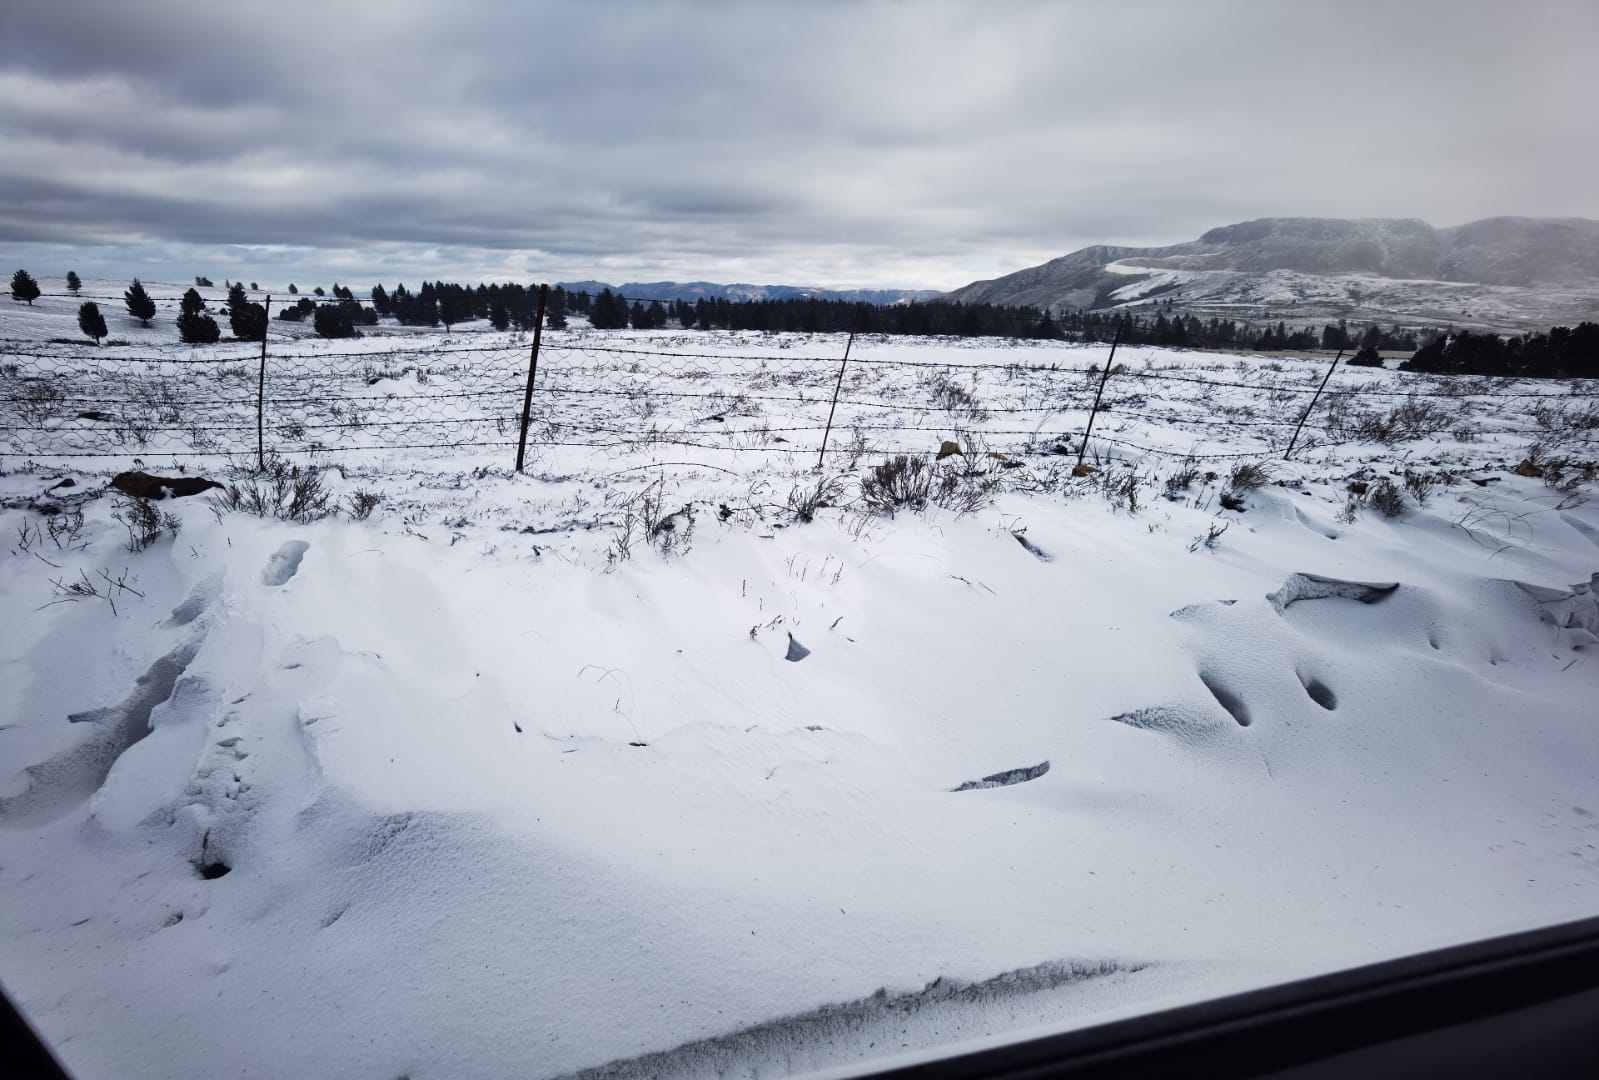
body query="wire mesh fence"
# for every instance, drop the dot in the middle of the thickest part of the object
(790, 397)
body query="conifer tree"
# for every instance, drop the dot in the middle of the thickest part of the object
(91, 322)
(74, 282)
(140, 306)
(24, 288)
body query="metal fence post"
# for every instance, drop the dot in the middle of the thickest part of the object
(837, 386)
(532, 371)
(1313, 399)
(1103, 377)
(260, 392)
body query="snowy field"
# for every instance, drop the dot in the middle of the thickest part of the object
(677, 756)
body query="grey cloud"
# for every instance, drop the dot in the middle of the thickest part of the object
(877, 143)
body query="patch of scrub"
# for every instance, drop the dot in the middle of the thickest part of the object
(284, 564)
(1007, 778)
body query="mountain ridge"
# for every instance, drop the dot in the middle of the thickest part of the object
(1497, 272)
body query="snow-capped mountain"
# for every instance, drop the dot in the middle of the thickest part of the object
(1499, 272)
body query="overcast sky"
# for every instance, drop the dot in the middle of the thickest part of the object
(873, 144)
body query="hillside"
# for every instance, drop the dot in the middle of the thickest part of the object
(1502, 273)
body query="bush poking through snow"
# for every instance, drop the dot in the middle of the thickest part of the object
(276, 490)
(1248, 476)
(1181, 480)
(1419, 485)
(1386, 497)
(1211, 538)
(805, 500)
(1415, 418)
(1121, 488)
(902, 482)
(144, 522)
(362, 503)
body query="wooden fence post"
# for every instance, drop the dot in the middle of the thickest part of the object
(532, 372)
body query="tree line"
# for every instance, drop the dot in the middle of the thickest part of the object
(1563, 352)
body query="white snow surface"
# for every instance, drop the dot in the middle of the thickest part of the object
(494, 803)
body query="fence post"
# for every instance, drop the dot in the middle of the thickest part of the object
(532, 370)
(1313, 399)
(260, 393)
(1105, 375)
(842, 364)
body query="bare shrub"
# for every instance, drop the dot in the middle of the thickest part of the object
(1414, 418)
(1181, 480)
(276, 489)
(1386, 497)
(902, 482)
(37, 401)
(804, 500)
(1419, 486)
(362, 503)
(1248, 476)
(1211, 538)
(1121, 487)
(669, 531)
(1564, 421)
(956, 399)
(144, 522)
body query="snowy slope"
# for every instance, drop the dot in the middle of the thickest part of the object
(493, 799)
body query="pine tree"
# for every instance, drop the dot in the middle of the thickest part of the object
(140, 306)
(74, 283)
(195, 327)
(23, 287)
(192, 303)
(91, 322)
(335, 320)
(248, 321)
(499, 318)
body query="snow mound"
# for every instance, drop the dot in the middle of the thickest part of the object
(1314, 587)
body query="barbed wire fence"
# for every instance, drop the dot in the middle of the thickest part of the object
(791, 399)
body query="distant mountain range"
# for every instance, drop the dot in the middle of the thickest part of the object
(1502, 273)
(708, 290)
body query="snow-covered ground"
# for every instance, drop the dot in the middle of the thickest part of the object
(620, 765)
